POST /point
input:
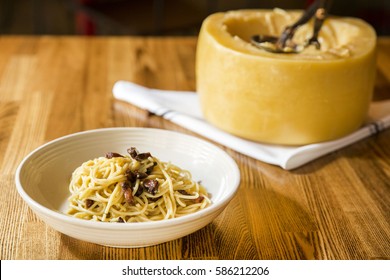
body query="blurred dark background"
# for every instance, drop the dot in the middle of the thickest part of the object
(154, 17)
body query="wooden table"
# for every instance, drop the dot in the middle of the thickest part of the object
(337, 207)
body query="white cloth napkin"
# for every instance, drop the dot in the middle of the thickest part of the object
(183, 108)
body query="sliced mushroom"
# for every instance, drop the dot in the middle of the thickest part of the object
(127, 191)
(132, 152)
(143, 156)
(140, 175)
(151, 185)
(89, 202)
(110, 155)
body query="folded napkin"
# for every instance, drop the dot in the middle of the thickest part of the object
(183, 108)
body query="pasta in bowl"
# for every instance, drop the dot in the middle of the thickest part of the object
(133, 188)
(199, 182)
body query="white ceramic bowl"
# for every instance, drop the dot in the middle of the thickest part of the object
(42, 180)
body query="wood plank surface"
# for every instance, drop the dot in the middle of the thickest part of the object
(336, 207)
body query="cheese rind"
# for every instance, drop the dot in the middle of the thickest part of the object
(292, 99)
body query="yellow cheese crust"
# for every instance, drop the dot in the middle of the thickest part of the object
(292, 99)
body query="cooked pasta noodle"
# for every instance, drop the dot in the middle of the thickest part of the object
(133, 188)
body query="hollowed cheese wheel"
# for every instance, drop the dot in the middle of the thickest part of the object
(291, 99)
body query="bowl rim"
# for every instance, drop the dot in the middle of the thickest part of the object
(127, 226)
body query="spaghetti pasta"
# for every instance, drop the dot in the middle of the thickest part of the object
(133, 188)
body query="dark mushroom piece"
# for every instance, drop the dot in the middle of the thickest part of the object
(131, 177)
(132, 152)
(151, 185)
(89, 202)
(110, 155)
(142, 156)
(183, 192)
(199, 199)
(127, 192)
(140, 175)
(138, 156)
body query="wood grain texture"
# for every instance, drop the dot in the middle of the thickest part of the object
(336, 207)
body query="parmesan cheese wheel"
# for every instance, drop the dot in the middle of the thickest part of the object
(291, 99)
